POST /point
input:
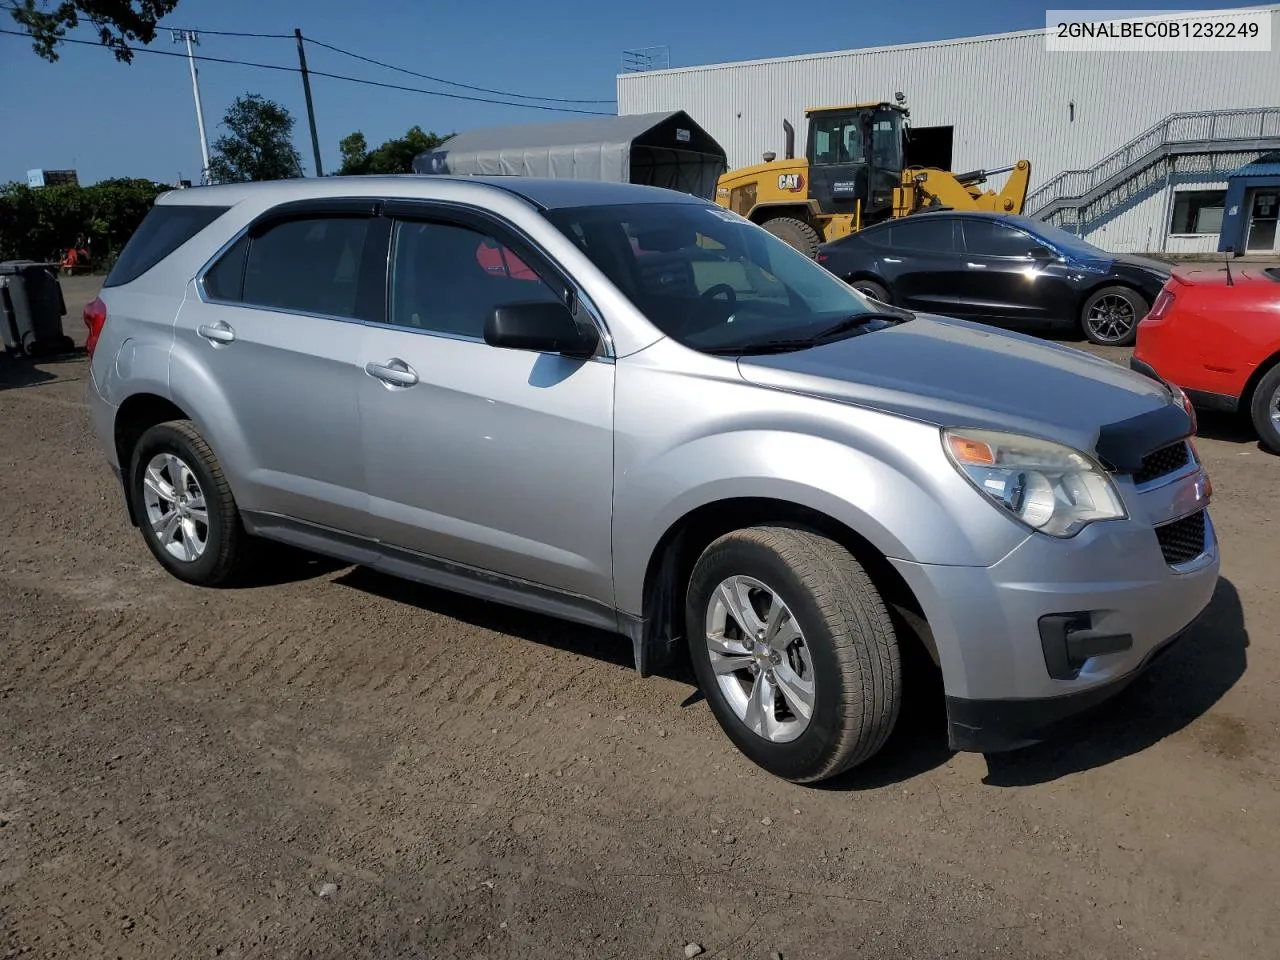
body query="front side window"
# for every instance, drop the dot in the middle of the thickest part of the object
(308, 265)
(987, 238)
(709, 278)
(448, 278)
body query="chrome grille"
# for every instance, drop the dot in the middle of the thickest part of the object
(1162, 462)
(1182, 540)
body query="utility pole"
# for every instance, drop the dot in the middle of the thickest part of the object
(190, 37)
(311, 110)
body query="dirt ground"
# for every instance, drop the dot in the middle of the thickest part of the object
(183, 773)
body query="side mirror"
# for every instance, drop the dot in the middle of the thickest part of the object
(1041, 253)
(541, 327)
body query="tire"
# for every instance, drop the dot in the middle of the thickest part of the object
(220, 557)
(872, 289)
(1110, 316)
(846, 651)
(796, 233)
(1264, 409)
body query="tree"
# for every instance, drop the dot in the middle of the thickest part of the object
(118, 22)
(393, 156)
(259, 146)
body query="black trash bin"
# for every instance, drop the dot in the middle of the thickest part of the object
(32, 308)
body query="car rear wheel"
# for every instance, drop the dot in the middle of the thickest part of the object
(184, 506)
(794, 651)
(872, 289)
(1110, 316)
(1265, 409)
(795, 233)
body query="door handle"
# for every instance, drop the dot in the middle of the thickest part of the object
(977, 266)
(394, 372)
(216, 333)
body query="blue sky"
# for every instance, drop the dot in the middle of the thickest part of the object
(108, 119)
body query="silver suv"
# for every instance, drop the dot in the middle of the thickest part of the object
(632, 409)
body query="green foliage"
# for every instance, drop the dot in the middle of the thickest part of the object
(118, 22)
(259, 146)
(393, 156)
(41, 223)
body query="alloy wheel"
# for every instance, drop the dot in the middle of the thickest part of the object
(1112, 318)
(175, 507)
(763, 665)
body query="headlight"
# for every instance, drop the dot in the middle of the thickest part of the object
(1049, 487)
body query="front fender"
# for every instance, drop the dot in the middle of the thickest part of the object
(883, 477)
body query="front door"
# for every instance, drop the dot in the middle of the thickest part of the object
(1004, 283)
(278, 330)
(497, 459)
(1263, 214)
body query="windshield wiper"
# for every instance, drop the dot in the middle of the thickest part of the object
(853, 322)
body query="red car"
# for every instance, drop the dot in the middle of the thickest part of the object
(1214, 331)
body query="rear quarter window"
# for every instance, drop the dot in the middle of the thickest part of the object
(162, 231)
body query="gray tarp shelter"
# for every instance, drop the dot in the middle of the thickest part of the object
(657, 149)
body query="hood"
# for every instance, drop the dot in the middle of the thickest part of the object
(1146, 264)
(955, 373)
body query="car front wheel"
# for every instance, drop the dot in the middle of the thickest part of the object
(1110, 316)
(794, 650)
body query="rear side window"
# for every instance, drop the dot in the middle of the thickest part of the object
(163, 230)
(306, 265)
(931, 236)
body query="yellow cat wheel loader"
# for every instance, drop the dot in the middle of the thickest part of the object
(862, 164)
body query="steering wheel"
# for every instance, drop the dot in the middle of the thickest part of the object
(710, 292)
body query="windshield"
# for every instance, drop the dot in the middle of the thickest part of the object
(710, 279)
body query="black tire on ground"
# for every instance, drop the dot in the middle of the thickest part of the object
(1118, 324)
(1264, 409)
(872, 289)
(224, 558)
(851, 644)
(796, 233)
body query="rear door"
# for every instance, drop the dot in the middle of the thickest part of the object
(274, 339)
(923, 265)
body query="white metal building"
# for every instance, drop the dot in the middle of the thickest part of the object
(1130, 149)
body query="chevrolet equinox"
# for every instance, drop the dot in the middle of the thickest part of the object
(627, 407)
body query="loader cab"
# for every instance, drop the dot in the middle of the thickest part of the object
(855, 158)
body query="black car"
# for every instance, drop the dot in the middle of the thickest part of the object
(1009, 271)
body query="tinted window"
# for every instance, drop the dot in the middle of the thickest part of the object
(311, 265)
(990, 239)
(934, 236)
(163, 230)
(225, 279)
(447, 278)
(708, 278)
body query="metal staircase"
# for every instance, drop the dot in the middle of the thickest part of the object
(1205, 142)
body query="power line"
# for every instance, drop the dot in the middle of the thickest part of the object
(452, 83)
(331, 76)
(231, 33)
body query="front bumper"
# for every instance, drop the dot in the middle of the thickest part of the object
(1058, 626)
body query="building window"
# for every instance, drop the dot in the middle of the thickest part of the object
(1198, 211)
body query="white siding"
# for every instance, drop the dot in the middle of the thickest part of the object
(1006, 96)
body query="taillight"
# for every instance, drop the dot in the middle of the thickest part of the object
(823, 257)
(1161, 305)
(95, 318)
